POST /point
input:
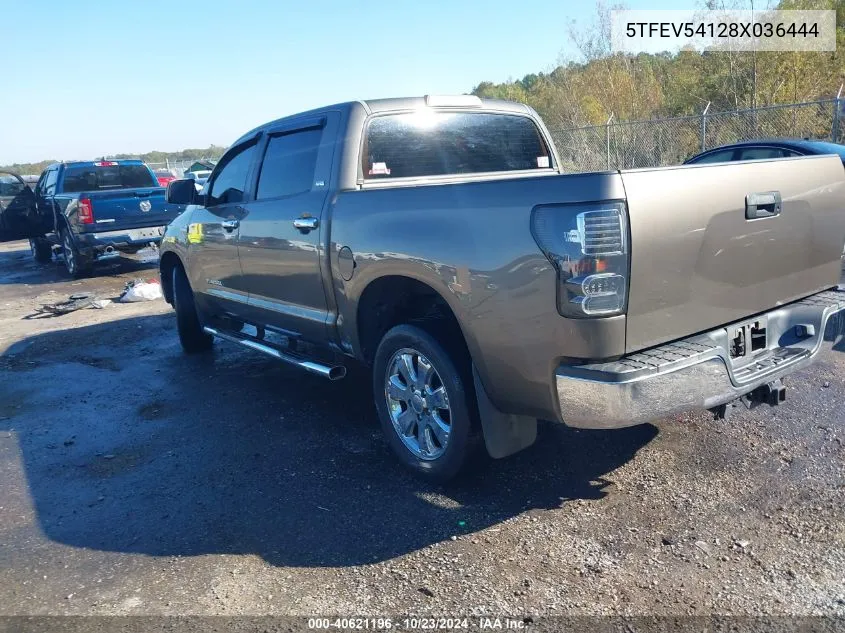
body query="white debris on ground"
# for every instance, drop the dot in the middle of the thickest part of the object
(141, 290)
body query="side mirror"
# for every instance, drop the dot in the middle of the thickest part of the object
(182, 192)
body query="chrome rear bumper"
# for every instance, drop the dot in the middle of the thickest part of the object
(698, 372)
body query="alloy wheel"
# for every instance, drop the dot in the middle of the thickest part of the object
(70, 256)
(418, 404)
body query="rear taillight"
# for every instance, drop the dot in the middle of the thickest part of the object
(85, 211)
(588, 246)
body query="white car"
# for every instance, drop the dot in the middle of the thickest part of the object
(201, 177)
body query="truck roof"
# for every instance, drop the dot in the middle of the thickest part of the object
(470, 102)
(85, 163)
(446, 101)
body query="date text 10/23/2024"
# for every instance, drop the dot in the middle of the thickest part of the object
(419, 623)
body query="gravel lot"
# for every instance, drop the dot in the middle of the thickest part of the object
(137, 480)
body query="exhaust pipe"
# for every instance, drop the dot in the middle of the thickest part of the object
(332, 372)
(108, 252)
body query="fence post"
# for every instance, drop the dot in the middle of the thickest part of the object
(607, 138)
(834, 130)
(704, 127)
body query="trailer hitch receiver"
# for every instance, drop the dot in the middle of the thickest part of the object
(772, 394)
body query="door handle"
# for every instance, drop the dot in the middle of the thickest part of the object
(306, 224)
(230, 225)
(762, 205)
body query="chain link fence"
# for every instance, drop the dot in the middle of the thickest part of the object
(179, 166)
(658, 142)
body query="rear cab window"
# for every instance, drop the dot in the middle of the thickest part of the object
(441, 143)
(107, 175)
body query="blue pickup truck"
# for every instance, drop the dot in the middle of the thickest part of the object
(92, 211)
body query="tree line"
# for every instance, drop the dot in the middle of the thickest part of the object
(599, 83)
(212, 152)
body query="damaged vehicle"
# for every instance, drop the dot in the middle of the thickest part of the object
(437, 241)
(17, 207)
(90, 211)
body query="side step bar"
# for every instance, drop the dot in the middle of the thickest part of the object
(333, 372)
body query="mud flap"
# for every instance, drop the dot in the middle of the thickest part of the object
(504, 434)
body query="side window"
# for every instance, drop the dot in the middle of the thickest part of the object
(50, 182)
(229, 182)
(289, 164)
(716, 157)
(39, 187)
(757, 153)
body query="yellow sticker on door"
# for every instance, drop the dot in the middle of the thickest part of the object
(194, 233)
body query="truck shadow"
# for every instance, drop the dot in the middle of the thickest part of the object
(130, 446)
(17, 266)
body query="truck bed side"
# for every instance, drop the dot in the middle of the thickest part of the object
(697, 262)
(471, 242)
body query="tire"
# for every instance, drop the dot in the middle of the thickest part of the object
(430, 452)
(42, 250)
(75, 264)
(191, 335)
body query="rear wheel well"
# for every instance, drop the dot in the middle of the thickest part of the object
(168, 262)
(393, 300)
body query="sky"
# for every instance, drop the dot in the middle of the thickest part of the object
(92, 78)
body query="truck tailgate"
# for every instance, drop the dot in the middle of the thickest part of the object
(697, 261)
(130, 208)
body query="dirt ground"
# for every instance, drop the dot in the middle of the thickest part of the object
(136, 480)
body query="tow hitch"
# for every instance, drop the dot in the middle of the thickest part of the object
(772, 394)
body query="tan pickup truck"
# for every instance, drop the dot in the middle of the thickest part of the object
(436, 241)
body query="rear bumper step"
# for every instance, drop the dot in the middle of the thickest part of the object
(699, 372)
(332, 372)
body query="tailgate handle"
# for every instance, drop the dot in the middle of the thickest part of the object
(762, 205)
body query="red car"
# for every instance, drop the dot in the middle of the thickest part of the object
(165, 176)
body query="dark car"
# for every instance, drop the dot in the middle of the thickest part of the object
(767, 148)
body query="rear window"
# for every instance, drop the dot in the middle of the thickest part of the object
(759, 153)
(427, 143)
(90, 177)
